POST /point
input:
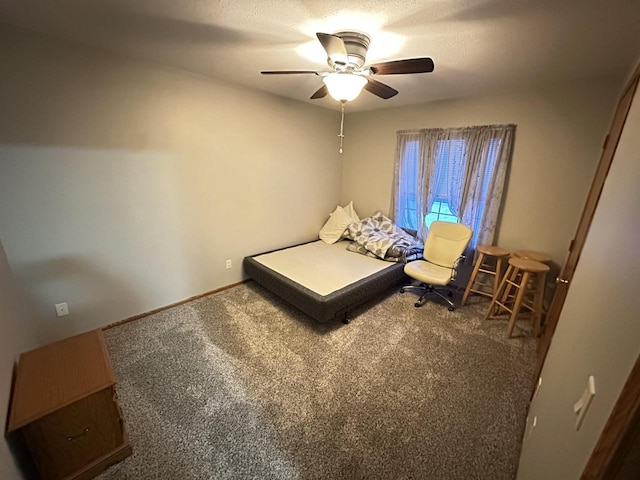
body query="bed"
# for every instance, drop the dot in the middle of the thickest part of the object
(325, 281)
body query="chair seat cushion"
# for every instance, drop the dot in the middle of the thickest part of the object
(428, 273)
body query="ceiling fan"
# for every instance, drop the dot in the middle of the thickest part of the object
(346, 55)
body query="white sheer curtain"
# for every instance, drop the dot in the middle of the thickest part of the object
(474, 160)
(456, 161)
(490, 149)
(409, 181)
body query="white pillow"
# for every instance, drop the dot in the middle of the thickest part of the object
(354, 218)
(351, 212)
(338, 222)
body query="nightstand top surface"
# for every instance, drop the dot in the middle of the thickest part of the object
(58, 374)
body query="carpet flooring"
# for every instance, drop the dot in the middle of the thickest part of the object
(241, 385)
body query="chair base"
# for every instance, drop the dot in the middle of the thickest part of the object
(425, 289)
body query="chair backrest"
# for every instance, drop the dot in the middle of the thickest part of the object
(446, 242)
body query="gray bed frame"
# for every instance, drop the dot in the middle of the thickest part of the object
(324, 308)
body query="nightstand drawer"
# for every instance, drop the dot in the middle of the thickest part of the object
(68, 439)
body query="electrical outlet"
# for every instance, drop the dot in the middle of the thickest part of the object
(62, 309)
(228, 264)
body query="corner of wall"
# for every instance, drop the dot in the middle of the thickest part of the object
(18, 335)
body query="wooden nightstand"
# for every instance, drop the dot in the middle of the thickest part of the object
(64, 403)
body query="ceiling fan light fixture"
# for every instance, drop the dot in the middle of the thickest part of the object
(344, 86)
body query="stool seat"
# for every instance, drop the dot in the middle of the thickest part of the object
(521, 288)
(532, 255)
(488, 269)
(493, 250)
(528, 265)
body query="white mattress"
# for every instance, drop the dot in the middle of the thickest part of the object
(320, 267)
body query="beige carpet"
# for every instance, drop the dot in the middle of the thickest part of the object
(241, 385)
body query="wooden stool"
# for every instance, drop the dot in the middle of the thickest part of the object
(482, 288)
(532, 255)
(522, 287)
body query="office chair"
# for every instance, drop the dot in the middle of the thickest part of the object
(443, 251)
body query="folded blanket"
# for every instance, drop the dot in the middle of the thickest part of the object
(380, 237)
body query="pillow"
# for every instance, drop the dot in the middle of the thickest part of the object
(378, 234)
(354, 218)
(351, 212)
(385, 224)
(338, 222)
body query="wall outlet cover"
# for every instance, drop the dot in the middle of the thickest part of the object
(62, 309)
(582, 405)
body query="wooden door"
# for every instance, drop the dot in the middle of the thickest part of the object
(575, 249)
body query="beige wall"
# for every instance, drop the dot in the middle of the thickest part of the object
(17, 335)
(124, 186)
(598, 332)
(558, 140)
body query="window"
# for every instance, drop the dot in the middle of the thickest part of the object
(440, 212)
(445, 150)
(458, 172)
(440, 208)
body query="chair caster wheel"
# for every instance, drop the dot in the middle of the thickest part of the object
(418, 304)
(346, 321)
(451, 309)
(401, 289)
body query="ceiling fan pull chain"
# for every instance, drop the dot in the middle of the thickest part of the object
(341, 135)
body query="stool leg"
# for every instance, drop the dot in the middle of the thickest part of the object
(516, 306)
(497, 293)
(472, 279)
(537, 317)
(497, 278)
(512, 275)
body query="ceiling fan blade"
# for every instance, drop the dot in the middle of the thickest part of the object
(380, 89)
(410, 65)
(320, 93)
(288, 72)
(335, 48)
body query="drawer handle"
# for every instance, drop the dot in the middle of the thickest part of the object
(73, 438)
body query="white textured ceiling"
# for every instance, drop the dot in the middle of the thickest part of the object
(478, 46)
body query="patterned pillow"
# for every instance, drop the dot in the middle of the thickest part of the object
(378, 234)
(387, 225)
(358, 230)
(371, 235)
